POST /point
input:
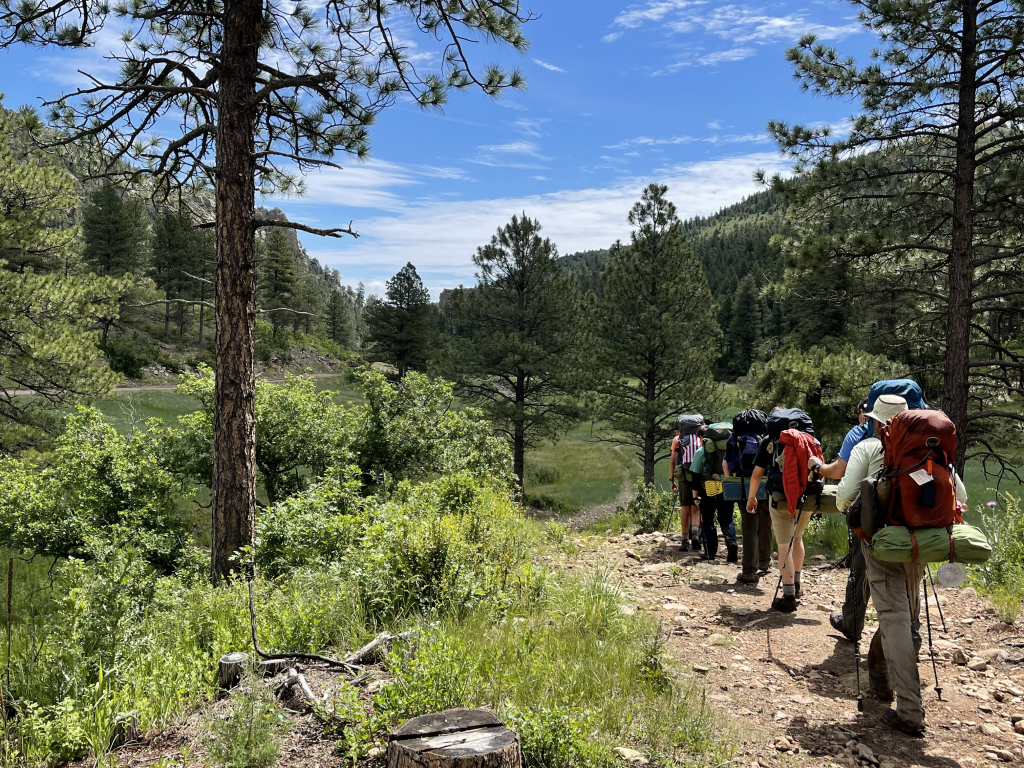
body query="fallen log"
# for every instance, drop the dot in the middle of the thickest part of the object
(296, 679)
(455, 738)
(372, 651)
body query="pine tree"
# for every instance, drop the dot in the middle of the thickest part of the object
(655, 338)
(399, 328)
(744, 327)
(519, 358)
(339, 318)
(48, 342)
(919, 200)
(115, 231)
(182, 261)
(277, 282)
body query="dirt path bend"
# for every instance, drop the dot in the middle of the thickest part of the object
(788, 682)
(587, 516)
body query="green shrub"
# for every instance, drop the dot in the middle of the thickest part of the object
(128, 355)
(1002, 576)
(98, 487)
(830, 534)
(1007, 602)
(652, 511)
(250, 737)
(542, 475)
(550, 503)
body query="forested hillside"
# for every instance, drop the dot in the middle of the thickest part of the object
(165, 310)
(731, 245)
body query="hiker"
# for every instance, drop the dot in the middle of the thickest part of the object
(748, 429)
(708, 468)
(849, 621)
(792, 427)
(894, 587)
(685, 444)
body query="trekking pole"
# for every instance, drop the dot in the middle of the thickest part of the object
(856, 650)
(931, 649)
(936, 593)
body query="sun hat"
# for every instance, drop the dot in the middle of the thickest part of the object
(887, 406)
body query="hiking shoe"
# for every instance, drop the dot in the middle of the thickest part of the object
(749, 578)
(894, 721)
(836, 620)
(784, 604)
(734, 554)
(685, 546)
(799, 592)
(695, 543)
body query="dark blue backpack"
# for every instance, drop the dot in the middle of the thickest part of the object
(908, 389)
(741, 452)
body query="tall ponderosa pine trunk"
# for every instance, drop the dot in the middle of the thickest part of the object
(956, 385)
(234, 465)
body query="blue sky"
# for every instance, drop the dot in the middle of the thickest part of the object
(620, 94)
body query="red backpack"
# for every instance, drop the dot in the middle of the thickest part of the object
(919, 450)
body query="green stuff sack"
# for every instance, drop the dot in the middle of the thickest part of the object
(896, 544)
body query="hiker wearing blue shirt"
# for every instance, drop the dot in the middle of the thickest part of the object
(837, 468)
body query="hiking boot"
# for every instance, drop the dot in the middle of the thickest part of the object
(894, 721)
(685, 546)
(749, 578)
(734, 554)
(706, 556)
(784, 604)
(799, 592)
(695, 543)
(836, 620)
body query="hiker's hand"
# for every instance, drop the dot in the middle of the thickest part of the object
(752, 506)
(673, 484)
(813, 463)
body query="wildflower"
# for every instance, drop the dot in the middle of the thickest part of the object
(991, 504)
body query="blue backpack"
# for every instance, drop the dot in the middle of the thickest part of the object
(741, 452)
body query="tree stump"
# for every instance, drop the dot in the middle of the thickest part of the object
(455, 738)
(231, 668)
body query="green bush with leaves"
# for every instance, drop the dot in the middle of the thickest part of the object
(1002, 575)
(651, 510)
(98, 487)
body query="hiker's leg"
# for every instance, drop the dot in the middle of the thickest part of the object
(888, 583)
(856, 604)
(708, 509)
(750, 525)
(784, 524)
(726, 520)
(915, 581)
(764, 536)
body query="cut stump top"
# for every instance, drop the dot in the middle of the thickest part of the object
(455, 738)
(449, 721)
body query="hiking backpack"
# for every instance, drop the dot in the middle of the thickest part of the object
(750, 422)
(689, 424)
(919, 450)
(748, 427)
(779, 422)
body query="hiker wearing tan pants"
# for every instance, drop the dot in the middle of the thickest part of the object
(896, 594)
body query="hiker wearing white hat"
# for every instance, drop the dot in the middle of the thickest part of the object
(895, 592)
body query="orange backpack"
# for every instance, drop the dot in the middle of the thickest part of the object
(919, 450)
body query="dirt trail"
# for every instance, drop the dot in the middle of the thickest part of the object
(788, 682)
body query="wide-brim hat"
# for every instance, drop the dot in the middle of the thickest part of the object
(887, 406)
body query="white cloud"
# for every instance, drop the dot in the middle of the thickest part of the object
(544, 64)
(367, 184)
(715, 125)
(733, 54)
(502, 155)
(648, 141)
(444, 235)
(737, 24)
(531, 126)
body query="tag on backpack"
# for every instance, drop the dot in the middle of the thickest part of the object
(922, 477)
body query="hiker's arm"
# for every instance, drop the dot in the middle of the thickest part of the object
(755, 483)
(833, 471)
(961, 491)
(725, 468)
